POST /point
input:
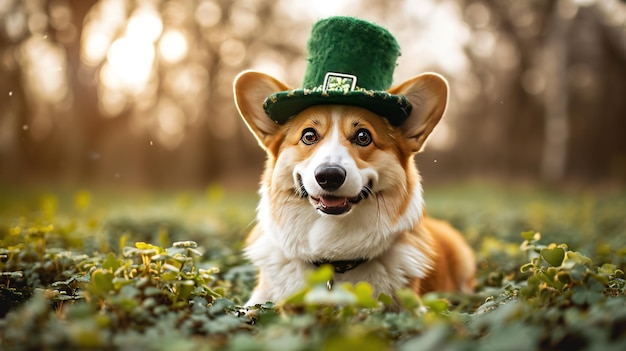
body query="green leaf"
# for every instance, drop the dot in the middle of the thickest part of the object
(608, 269)
(592, 293)
(145, 246)
(111, 262)
(185, 244)
(528, 267)
(577, 271)
(554, 256)
(321, 275)
(564, 277)
(364, 294)
(549, 277)
(408, 299)
(385, 299)
(435, 304)
(102, 281)
(531, 235)
(573, 258)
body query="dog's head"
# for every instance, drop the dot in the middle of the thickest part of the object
(342, 163)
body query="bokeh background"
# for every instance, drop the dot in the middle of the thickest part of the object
(139, 93)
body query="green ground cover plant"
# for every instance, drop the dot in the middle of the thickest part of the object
(164, 271)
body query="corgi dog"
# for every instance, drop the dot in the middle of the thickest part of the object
(341, 187)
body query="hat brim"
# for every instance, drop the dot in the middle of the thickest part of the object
(281, 106)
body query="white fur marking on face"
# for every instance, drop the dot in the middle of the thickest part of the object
(332, 150)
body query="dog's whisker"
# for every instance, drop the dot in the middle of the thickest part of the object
(301, 190)
(365, 192)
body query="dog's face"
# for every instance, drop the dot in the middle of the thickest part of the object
(341, 154)
(335, 168)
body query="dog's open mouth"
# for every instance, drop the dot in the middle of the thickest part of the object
(334, 205)
(337, 205)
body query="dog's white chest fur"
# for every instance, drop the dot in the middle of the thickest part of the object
(286, 250)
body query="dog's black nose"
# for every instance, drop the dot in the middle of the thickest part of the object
(330, 177)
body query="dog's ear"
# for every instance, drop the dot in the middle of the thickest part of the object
(428, 94)
(250, 90)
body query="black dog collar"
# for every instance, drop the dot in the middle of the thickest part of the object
(341, 266)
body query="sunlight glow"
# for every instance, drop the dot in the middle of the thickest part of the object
(130, 61)
(47, 68)
(314, 9)
(145, 24)
(95, 47)
(15, 24)
(173, 46)
(208, 13)
(438, 42)
(102, 24)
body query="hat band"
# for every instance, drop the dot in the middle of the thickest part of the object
(339, 82)
(336, 82)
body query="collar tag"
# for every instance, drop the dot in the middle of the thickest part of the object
(334, 81)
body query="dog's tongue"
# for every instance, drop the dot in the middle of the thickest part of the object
(333, 201)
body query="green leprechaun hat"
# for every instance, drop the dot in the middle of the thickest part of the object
(350, 62)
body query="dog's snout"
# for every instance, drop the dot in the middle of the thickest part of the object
(330, 177)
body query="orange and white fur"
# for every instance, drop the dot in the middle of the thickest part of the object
(376, 214)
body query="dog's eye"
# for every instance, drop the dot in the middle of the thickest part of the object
(363, 137)
(309, 136)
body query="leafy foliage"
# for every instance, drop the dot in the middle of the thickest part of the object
(166, 272)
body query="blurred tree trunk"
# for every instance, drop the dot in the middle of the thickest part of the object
(556, 96)
(84, 99)
(13, 114)
(72, 123)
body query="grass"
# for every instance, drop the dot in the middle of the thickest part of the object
(100, 270)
